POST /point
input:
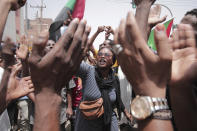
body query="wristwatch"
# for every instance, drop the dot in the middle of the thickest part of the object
(144, 106)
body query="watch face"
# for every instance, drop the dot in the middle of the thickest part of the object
(140, 108)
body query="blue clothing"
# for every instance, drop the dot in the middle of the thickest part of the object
(24, 98)
(91, 92)
(5, 121)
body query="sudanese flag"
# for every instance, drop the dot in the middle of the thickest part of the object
(75, 7)
(168, 26)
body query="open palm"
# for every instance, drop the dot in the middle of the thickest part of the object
(184, 55)
(154, 16)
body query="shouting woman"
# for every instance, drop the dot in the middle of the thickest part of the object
(101, 82)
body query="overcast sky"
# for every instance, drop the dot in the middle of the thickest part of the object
(109, 12)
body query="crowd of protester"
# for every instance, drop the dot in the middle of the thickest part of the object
(65, 78)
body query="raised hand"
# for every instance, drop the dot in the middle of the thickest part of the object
(25, 87)
(148, 73)
(55, 68)
(107, 36)
(18, 88)
(70, 15)
(91, 40)
(50, 72)
(141, 15)
(154, 16)
(109, 29)
(22, 52)
(183, 78)
(70, 18)
(101, 29)
(184, 55)
(143, 68)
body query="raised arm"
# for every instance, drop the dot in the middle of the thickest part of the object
(184, 66)
(91, 40)
(12, 88)
(52, 71)
(5, 7)
(142, 14)
(22, 54)
(154, 18)
(4, 100)
(108, 31)
(143, 69)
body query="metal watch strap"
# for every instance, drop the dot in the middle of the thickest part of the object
(143, 107)
(162, 115)
(158, 103)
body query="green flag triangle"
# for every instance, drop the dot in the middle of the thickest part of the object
(71, 4)
(151, 41)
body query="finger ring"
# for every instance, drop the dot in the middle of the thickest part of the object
(117, 48)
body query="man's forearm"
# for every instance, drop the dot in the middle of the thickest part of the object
(184, 107)
(91, 41)
(4, 97)
(47, 109)
(94, 37)
(4, 10)
(152, 124)
(141, 15)
(155, 125)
